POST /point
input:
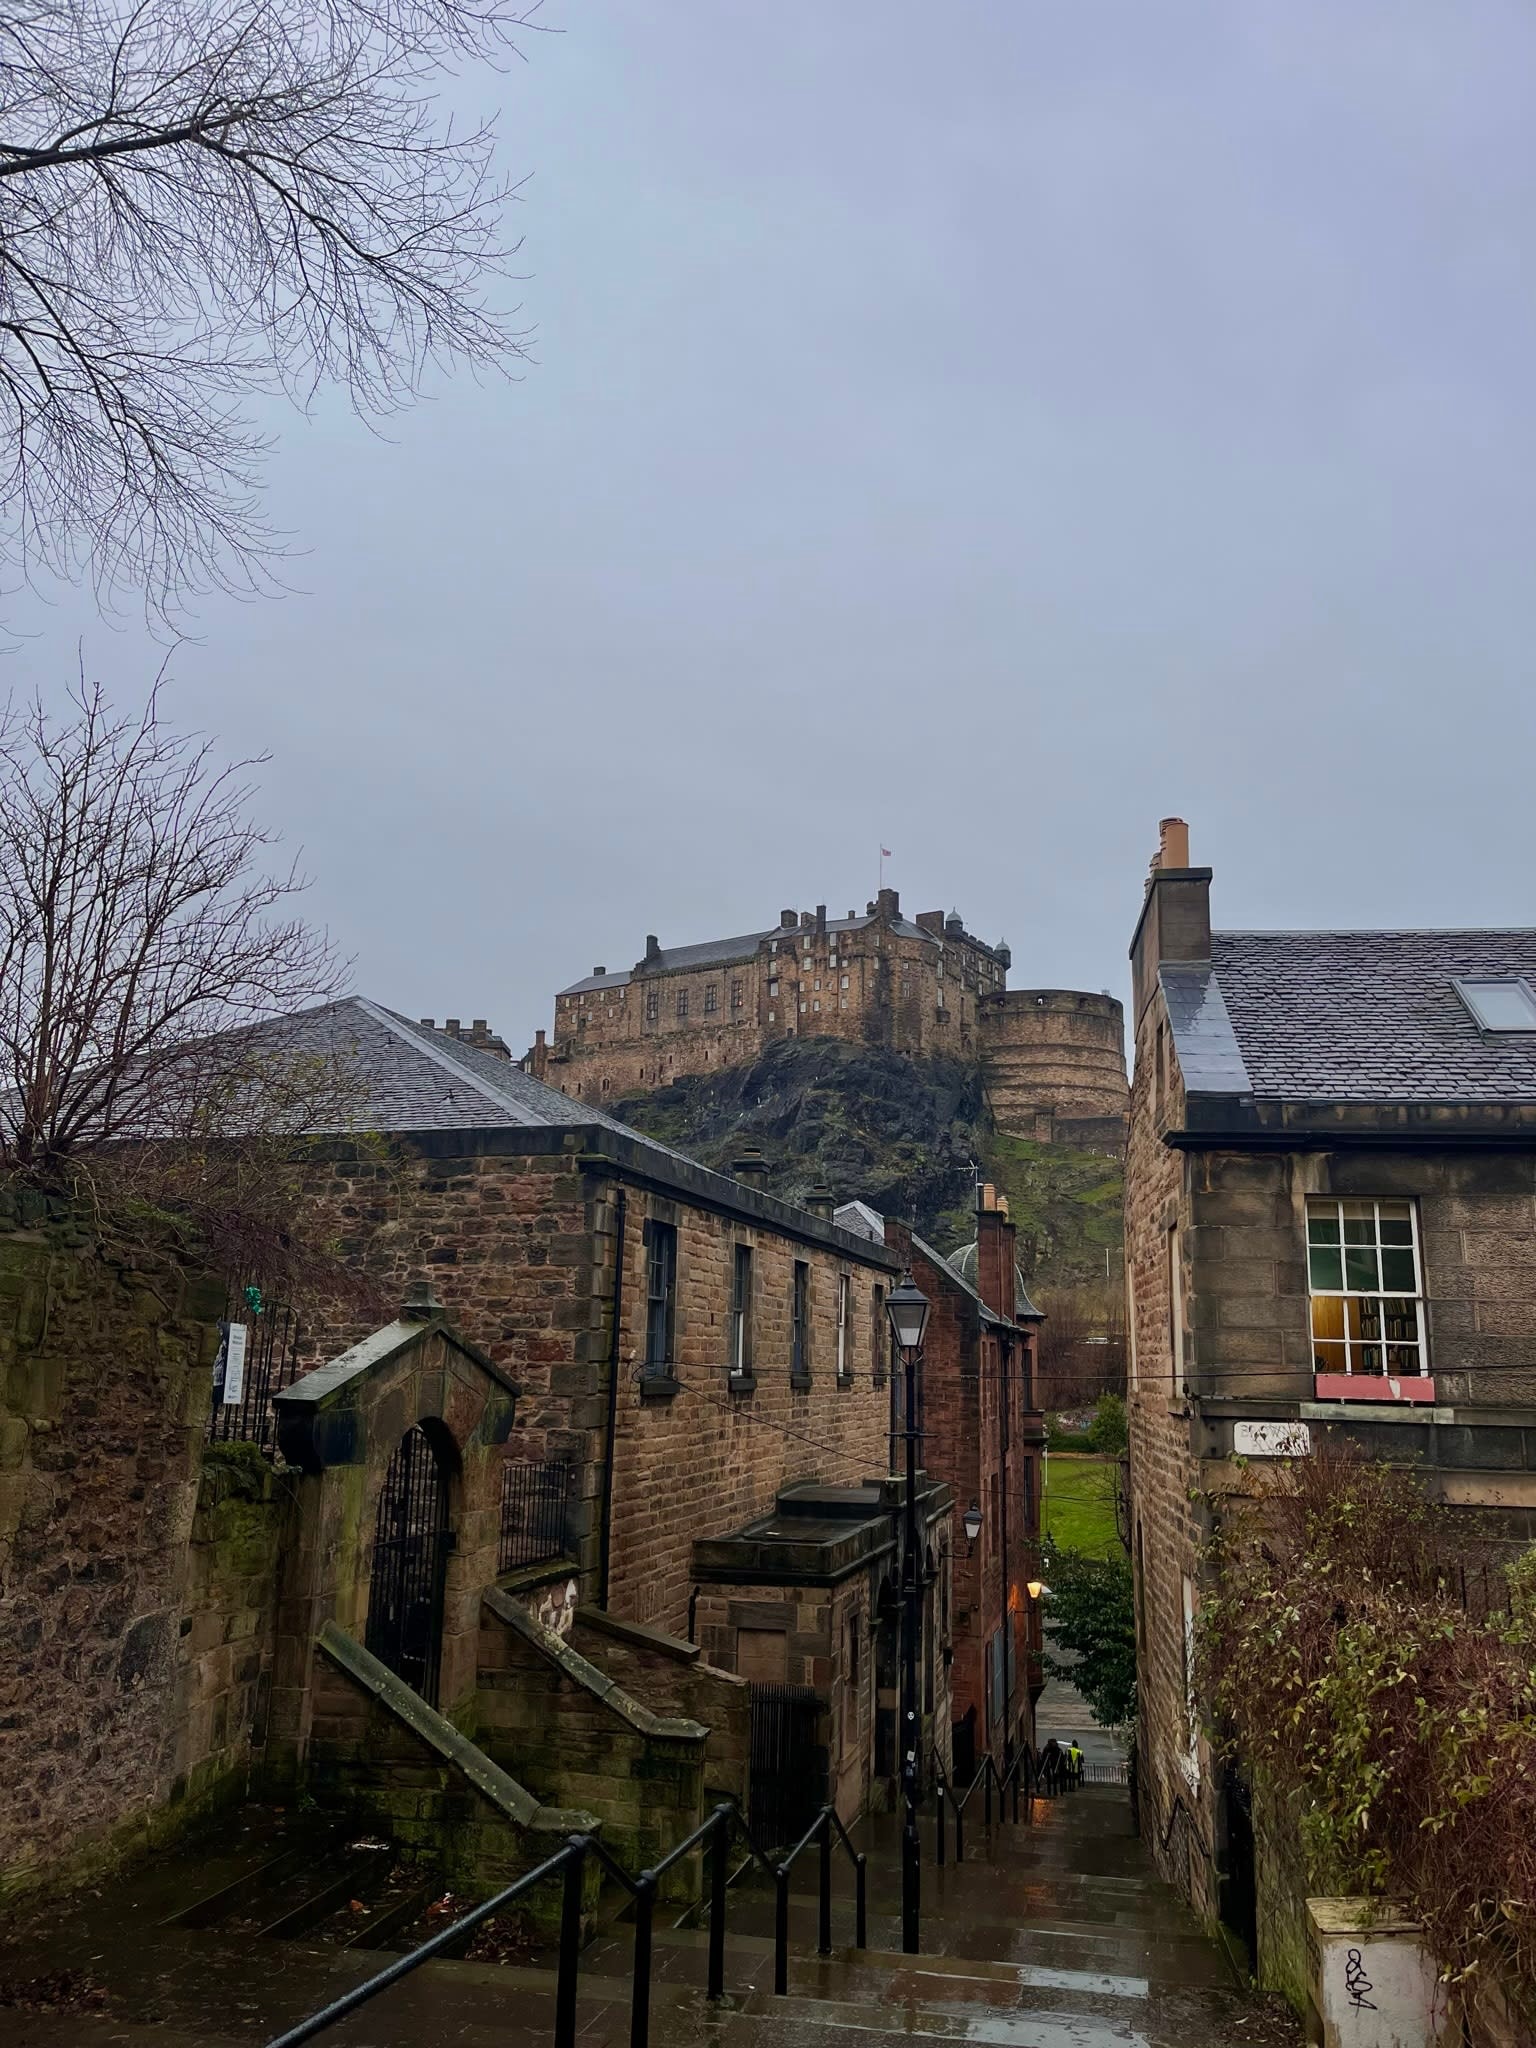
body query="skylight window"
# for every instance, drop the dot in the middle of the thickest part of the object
(1500, 1005)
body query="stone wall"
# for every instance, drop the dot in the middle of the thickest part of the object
(575, 1738)
(1168, 1527)
(1054, 1061)
(706, 1455)
(134, 1580)
(523, 1251)
(672, 1676)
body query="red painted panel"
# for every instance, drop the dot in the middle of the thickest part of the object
(1359, 1386)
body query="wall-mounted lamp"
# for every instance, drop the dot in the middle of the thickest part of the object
(1036, 1588)
(970, 1522)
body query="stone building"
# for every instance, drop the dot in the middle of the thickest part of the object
(1330, 1229)
(1054, 1058)
(983, 1434)
(567, 1527)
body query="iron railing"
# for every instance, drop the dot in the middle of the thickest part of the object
(534, 1496)
(569, 1865)
(1037, 1774)
(270, 1363)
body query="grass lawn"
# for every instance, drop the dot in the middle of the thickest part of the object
(1080, 1503)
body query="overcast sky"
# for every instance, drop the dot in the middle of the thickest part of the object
(981, 429)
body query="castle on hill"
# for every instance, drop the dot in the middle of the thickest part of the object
(1053, 1059)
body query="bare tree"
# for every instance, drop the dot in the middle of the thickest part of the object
(144, 947)
(202, 200)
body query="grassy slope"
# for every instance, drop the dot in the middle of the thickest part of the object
(1080, 1504)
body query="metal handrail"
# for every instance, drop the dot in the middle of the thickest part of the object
(820, 1831)
(569, 1863)
(1028, 1767)
(360, 1994)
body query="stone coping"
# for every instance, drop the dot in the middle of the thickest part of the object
(494, 1784)
(640, 1636)
(572, 1665)
(325, 1382)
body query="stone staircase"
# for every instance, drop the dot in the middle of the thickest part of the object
(1052, 1934)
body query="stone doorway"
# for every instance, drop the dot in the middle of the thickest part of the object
(412, 1540)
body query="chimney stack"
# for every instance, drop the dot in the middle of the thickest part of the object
(652, 949)
(787, 920)
(1175, 923)
(820, 1203)
(751, 1168)
(996, 1277)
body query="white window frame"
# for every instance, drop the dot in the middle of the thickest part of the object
(844, 1290)
(1176, 1306)
(1467, 988)
(1318, 1205)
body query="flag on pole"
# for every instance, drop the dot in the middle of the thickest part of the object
(885, 853)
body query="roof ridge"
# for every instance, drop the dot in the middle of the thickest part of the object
(412, 1034)
(1391, 931)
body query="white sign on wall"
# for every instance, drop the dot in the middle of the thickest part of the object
(1271, 1439)
(234, 1363)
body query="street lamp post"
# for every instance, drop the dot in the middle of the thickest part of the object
(907, 1307)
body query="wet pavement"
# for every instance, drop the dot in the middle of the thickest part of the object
(1052, 1934)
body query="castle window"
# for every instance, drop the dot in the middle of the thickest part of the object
(818, 984)
(833, 961)
(711, 1002)
(814, 1006)
(736, 995)
(773, 1016)
(773, 988)
(803, 1008)
(652, 1005)
(682, 1003)
(845, 981)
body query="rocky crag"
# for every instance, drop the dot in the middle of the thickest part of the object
(909, 1136)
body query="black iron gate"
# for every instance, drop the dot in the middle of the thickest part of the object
(269, 1362)
(789, 1765)
(410, 1565)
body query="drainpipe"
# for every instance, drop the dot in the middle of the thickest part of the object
(605, 1554)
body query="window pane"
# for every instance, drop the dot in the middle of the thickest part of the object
(1327, 1317)
(1367, 1359)
(1397, 1268)
(1500, 1005)
(1403, 1358)
(1329, 1358)
(1323, 1226)
(1327, 1267)
(1360, 1269)
(1402, 1318)
(1359, 1229)
(1395, 1232)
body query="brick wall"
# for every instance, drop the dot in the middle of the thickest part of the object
(132, 1605)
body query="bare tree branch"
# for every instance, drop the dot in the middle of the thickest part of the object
(142, 942)
(204, 202)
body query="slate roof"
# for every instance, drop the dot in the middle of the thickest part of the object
(410, 1078)
(723, 952)
(1350, 1017)
(405, 1077)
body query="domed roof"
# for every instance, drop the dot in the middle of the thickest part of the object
(965, 1261)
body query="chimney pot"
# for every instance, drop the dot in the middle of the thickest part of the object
(451, 1026)
(819, 1201)
(1172, 843)
(427, 1024)
(479, 1027)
